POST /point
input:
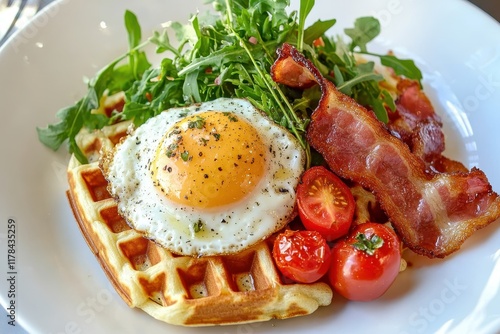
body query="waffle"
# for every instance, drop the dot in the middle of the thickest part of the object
(180, 290)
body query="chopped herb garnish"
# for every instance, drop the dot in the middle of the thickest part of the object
(198, 226)
(171, 150)
(198, 123)
(231, 116)
(174, 132)
(185, 156)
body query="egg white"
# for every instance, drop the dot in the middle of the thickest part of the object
(228, 229)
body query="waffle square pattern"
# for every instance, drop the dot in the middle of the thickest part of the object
(181, 290)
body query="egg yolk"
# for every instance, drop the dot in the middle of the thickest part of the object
(208, 160)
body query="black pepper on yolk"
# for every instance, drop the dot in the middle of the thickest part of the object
(209, 160)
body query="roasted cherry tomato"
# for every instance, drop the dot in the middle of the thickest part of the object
(366, 262)
(325, 203)
(303, 256)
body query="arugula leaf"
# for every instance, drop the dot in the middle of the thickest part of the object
(364, 31)
(317, 29)
(404, 67)
(347, 86)
(72, 119)
(54, 135)
(305, 9)
(99, 84)
(379, 110)
(162, 42)
(388, 100)
(133, 29)
(137, 59)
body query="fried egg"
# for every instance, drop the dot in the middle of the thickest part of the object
(211, 178)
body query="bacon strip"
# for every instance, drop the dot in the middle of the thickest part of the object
(416, 123)
(432, 212)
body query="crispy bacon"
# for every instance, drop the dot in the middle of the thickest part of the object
(416, 123)
(433, 213)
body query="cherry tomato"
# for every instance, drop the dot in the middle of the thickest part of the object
(303, 256)
(325, 203)
(366, 262)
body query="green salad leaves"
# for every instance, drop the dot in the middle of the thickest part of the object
(229, 53)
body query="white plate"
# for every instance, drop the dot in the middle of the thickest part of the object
(60, 288)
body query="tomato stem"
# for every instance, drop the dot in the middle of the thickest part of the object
(368, 245)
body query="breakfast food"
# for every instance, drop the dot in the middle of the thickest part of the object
(207, 179)
(433, 212)
(189, 196)
(182, 290)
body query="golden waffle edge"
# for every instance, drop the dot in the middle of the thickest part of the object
(180, 290)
